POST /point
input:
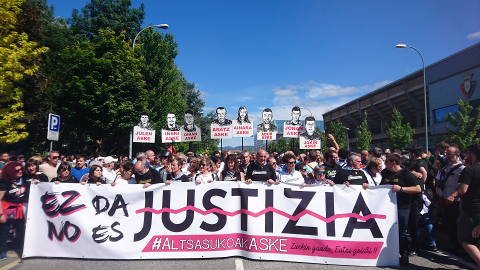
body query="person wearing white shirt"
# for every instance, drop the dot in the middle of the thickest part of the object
(108, 171)
(372, 171)
(290, 175)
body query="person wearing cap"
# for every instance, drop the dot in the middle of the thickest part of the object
(163, 156)
(108, 172)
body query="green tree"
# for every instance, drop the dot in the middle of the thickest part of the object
(273, 147)
(294, 143)
(166, 86)
(399, 135)
(339, 132)
(116, 15)
(17, 60)
(466, 125)
(364, 137)
(103, 93)
(282, 145)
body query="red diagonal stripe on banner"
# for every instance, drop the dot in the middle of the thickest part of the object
(266, 210)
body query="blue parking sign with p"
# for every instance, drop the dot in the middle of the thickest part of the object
(54, 122)
(53, 131)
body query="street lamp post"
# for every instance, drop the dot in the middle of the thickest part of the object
(308, 110)
(424, 90)
(162, 26)
(348, 139)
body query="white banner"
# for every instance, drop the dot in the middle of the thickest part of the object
(315, 224)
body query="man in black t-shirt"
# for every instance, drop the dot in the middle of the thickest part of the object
(146, 176)
(468, 223)
(352, 173)
(260, 170)
(403, 184)
(330, 163)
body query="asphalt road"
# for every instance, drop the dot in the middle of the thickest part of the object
(428, 260)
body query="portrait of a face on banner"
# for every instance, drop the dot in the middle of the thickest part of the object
(267, 130)
(293, 128)
(171, 131)
(189, 132)
(221, 127)
(310, 139)
(144, 132)
(242, 126)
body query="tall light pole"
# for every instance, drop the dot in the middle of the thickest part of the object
(348, 139)
(162, 26)
(424, 91)
(307, 109)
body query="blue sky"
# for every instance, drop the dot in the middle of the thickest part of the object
(314, 54)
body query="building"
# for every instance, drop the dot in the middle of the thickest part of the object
(444, 80)
(261, 144)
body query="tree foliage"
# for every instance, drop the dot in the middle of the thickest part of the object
(273, 147)
(103, 92)
(466, 126)
(364, 137)
(339, 132)
(399, 135)
(17, 59)
(118, 15)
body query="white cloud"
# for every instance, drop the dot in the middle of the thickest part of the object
(203, 94)
(286, 92)
(208, 108)
(244, 99)
(474, 35)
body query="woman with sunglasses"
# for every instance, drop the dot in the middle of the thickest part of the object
(64, 174)
(320, 179)
(127, 174)
(12, 196)
(289, 175)
(231, 171)
(206, 168)
(95, 176)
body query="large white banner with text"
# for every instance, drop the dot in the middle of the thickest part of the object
(315, 224)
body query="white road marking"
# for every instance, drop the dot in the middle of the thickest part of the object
(238, 264)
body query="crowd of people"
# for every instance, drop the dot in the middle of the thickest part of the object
(431, 189)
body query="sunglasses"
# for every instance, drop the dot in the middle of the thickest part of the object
(55, 157)
(202, 165)
(320, 173)
(19, 170)
(65, 169)
(291, 162)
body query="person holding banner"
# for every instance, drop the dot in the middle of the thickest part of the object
(352, 174)
(320, 179)
(289, 175)
(176, 175)
(64, 174)
(260, 170)
(12, 196)
(127, 176)
(231, 171)
(146, 176)
(94, 176)
(403, 184)
(206, 168)
(32, 175)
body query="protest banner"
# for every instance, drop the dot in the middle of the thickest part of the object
(314, 224)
